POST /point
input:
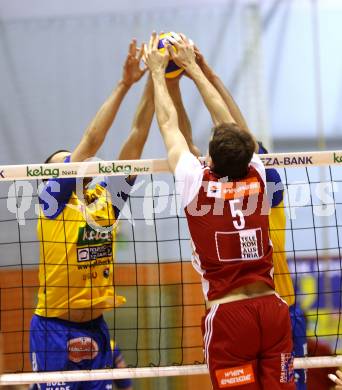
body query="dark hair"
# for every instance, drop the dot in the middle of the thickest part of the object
(231, 150)
(54, 153)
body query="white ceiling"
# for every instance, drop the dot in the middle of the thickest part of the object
(32, 9)
(19, 9)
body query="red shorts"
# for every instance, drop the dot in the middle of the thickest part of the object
(248, 344)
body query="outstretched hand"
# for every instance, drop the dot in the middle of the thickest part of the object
(184, 55)
(201, 61)
(132, 70)
(156, 60)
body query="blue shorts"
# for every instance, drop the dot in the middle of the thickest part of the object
(59, 345)
(299, 342)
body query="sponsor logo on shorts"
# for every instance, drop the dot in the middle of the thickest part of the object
(235, 376)
(57, 386)
(337, 159)
(82, 348)
(286, 368)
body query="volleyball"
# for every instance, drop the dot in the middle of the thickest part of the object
(172, 70)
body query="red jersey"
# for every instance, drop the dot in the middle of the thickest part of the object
(228, 223)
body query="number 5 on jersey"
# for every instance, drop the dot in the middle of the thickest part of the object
(238, 218)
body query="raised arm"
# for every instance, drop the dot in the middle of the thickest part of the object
(133, 146)
(215, 80)
(183, 119)
(185, 57)
(165, 110)
(99, 126)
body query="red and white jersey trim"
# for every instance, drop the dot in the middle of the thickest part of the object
(196, 263)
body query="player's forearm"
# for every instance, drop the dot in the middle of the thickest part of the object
(228, 99)
(165, 110)
(184, 123)
(101, 123)
(211, 97)
(133, 146)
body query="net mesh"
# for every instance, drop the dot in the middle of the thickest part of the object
(160, 323)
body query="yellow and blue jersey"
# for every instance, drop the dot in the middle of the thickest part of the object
(77, 247)
(277, 221)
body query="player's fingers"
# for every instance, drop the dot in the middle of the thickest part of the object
(169, 49)
(127, 60)
(335, 379)
(150, 44)
(130, 47)
(154, 42)
(174, 41)
(184, 38)
(339, 374)
(145, 50)
(141, 51)
(134, 47)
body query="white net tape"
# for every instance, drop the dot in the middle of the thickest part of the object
(141, 167)
(143, 372)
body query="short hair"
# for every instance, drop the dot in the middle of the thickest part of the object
(231, 150)
(54, 153)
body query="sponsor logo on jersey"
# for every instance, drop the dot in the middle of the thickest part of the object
(89, 236)
(214, 189)
(106, 272)
(249, 244)
(92, 275)
(286, 368)
(96, 263)
(93, 244)
(337, 159)
(234, 189)
(243, 245)
(94, 252)
(82, 348)
(235, 376)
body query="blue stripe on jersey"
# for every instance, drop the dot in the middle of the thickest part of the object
(273, 179)
(56, 194)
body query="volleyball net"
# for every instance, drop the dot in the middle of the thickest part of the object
(158, 328)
